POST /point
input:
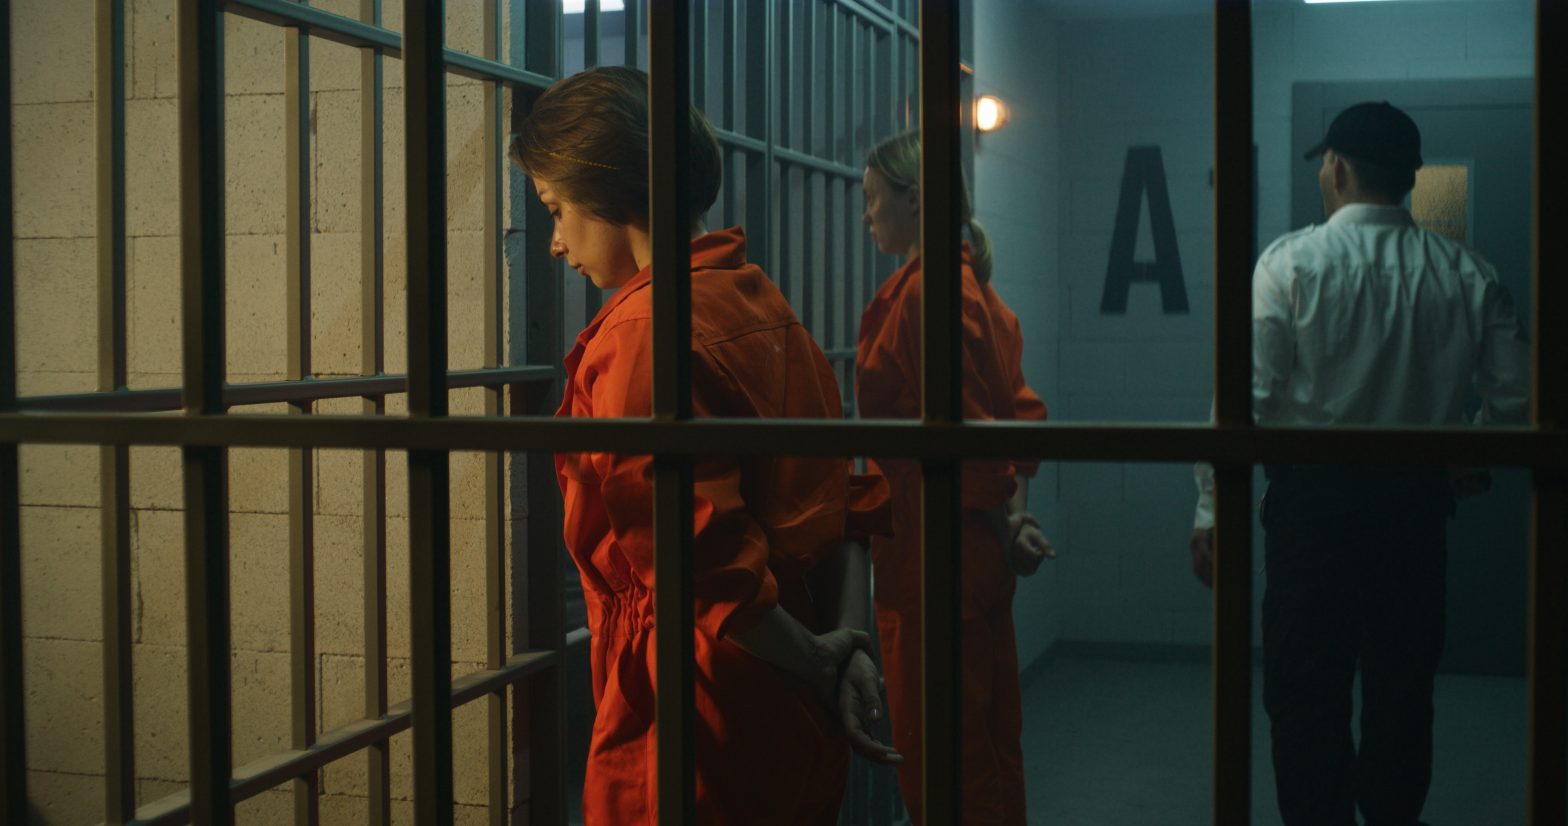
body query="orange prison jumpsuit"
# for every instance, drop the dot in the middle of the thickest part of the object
(767, 751)
(888, 386)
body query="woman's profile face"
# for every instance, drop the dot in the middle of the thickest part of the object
(892, 214)
(592, 246)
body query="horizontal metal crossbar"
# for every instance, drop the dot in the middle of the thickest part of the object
(880, 18)
(735, 140)
(351, 32)
(164, 399)
(787, 155)
(260, 775)
(1481, 447)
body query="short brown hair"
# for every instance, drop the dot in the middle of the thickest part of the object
(588, 136)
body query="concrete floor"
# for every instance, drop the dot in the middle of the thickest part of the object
(1111, 742)
(1116, 741)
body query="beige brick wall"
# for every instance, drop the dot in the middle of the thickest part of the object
(55, 156)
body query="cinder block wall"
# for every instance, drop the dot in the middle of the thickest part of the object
(1116, 76)
(55, 159)
(1017, 174)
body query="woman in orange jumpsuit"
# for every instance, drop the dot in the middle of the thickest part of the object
(1000, 538)
(783, 684)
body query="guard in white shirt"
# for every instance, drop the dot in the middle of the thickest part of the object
(1365, 319)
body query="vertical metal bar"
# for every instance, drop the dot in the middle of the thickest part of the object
(732, 45)
(541, 718)
(784, 94)
(1233, 246)
(810, 74)
(372, 252)
(698, 12)
(206, 468)
(731, 91)
(1548, 673)
(13, 735)
(941, 404)
(495, 483)
(591, 58)
(590, 33)
(809, 247)
(834, 150)
(759, 124)
(302, 522)
(632, 34)
(669, 100)
(114, 460)
(428, 470)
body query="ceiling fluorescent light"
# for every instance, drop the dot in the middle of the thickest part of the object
(577, 6)
(1346, 1)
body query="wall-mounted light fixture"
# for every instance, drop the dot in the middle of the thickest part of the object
(990, 113)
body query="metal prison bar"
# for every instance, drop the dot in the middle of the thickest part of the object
(206, 433)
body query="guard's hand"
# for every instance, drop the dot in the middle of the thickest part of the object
(1202, 547)
(860, 708)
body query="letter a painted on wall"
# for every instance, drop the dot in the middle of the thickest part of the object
(1144, 173)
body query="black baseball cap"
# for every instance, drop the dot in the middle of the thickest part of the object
(1375, 132)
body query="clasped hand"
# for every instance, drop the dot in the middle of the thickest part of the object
(847, 681)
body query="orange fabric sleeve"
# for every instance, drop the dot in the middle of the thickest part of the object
(870, 507)
(731, 583)
(1027, 405)
(986, 484)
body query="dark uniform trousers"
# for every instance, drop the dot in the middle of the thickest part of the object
(1356, 561)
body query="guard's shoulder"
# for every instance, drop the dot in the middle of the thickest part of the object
(1292, 240)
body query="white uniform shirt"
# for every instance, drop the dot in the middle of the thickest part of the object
(1367, 319)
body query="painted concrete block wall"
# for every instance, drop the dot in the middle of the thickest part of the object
(57, 295)
(1131, 81)
(1144, 77)
(1016, 177)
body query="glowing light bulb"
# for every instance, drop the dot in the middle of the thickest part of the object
(990, 113)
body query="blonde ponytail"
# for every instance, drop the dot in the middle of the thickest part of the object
(980, 245)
